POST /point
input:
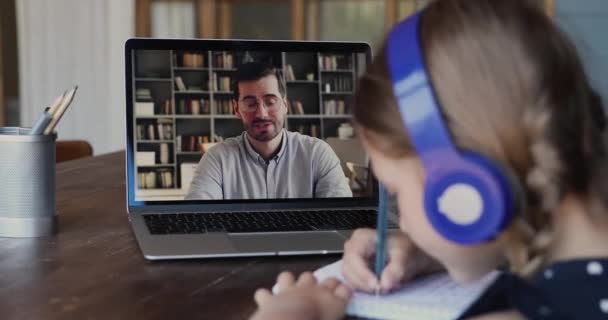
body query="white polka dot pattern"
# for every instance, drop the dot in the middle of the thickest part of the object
(604, 305)
(594, 268)
(548, 274)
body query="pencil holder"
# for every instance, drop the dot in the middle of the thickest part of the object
(27, 183)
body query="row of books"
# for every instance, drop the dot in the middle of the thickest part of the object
(223, 107)
(162, 130)
(338, 84)
(193, 60)
(334, 62)
(223, 60)
(194, 106)
(307, 129)
(334, 106)
(194, 143)
(216, 83)
(160, 178)
(295, 107)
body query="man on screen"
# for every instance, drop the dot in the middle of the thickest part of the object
(266, 161)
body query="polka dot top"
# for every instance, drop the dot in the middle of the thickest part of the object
(574, 289)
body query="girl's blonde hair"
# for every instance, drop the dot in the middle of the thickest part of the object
(512, 87)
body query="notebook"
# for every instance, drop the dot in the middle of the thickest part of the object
(434, 297)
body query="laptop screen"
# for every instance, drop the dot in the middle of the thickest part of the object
(242, 121)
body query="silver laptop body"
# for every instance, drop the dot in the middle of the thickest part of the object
(222, 244)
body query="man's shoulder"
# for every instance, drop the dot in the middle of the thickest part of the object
(310, 145)
(304, 140)
(226, 147)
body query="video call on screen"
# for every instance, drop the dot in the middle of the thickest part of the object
(183, 108)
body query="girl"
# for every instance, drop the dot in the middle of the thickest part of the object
(510, 86)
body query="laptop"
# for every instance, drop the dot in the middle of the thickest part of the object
(179, 107)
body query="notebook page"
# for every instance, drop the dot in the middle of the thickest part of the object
(434, 297)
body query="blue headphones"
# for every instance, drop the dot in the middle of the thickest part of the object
(468, 198)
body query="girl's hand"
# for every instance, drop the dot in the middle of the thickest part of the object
(404, 261)
(303, 298)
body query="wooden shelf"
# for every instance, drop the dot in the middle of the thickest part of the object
(192, 92)
(302, 82)
(155, 141)
(337, 93)
(189, 69)
(164, 116)
(303, 116)
(154, 79)
(157, 165)
(193, 116)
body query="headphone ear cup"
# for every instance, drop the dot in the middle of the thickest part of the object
(470, 202)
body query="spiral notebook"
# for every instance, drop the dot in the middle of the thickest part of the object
(434, 297)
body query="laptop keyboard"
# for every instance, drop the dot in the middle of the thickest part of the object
(272, 221)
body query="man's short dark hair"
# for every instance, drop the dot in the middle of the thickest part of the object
(252, 71)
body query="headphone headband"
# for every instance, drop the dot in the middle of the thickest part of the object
(414, 93)
(467, 198)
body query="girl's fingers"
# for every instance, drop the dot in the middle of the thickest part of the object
(306, 279)
(285, 280)
(261, 296)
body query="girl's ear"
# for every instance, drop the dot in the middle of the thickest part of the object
(235, 108)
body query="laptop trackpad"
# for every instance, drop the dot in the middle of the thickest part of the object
(294, 242)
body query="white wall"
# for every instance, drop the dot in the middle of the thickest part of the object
(76, 42)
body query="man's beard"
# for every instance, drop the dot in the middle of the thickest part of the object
(265, 134)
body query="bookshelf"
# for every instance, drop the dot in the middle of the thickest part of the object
(182, 103)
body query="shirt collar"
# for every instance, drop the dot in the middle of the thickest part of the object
(254, 155)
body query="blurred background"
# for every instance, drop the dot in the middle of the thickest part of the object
(50, 45)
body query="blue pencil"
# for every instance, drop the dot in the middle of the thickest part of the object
(381, 229)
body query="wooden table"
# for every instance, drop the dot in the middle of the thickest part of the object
(93, 269)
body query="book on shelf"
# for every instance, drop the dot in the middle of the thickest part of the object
(164, 153)
(143, 94)
(295, 107)
(151, 133)
(179, 82)
(334, 62)
(166, 107)
(212, 82)
(289, 74)
(192, 143)
(145, 158)
(144, 108)
(162, 130)
(338, 84)
(223, 83)
(314, 130)
(334, 107)
(193, 60)
(194, 106)
(161, 178)
(223, 60)
(166, 178)
(308, 129)
(223, 107)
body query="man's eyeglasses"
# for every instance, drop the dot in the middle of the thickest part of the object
(250, 104)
